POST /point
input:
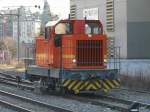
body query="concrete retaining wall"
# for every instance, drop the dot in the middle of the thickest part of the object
(135, 67)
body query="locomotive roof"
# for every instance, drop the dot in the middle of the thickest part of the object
(52, 23)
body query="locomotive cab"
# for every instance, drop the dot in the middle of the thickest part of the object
(79, 44)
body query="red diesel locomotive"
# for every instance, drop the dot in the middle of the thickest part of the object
(72, 57)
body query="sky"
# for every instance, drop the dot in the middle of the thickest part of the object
(60, 7)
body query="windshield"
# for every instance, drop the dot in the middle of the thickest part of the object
(92, 28)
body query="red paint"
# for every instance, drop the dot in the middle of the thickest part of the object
(47, 54)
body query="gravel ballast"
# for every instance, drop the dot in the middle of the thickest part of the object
(3, 109)
(76, 106)
(131, 95)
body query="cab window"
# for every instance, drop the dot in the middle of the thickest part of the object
(63, 28)
(92, 28)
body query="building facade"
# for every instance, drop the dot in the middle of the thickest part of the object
(26, 26)
(2, 24)
(6, 23)
(127, 21)
(29, 26)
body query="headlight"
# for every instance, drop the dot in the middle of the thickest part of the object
(74, 60)
(105, 60)
(89, 35)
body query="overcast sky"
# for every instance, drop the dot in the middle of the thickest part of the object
(60, 7)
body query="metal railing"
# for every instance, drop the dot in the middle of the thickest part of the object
(113, 56)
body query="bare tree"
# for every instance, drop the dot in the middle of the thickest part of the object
(2, 45)
(10, 45)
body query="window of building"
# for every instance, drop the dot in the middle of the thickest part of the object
(73, 11)
(110, 15)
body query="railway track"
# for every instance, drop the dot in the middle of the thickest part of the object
(135, 90)
(115, 104)
(24, 104)
(12, 81)
(82, 98)
(121, 105)
(7, 75)
(12, 78)
(2, 78)
(130, 103)
(100, 100)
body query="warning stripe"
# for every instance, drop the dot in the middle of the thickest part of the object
(87, 83)
(67, 83)
(76, 87)
(116, 82)
(109, 83)
(105, 86)
(93, 85)
(64, 81)
(97, 84)
(72, 84)
(89, 86)
(84, 85)
(77, 82)
(119, 81)
(100, 81)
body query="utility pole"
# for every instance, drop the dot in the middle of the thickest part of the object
(18, 34)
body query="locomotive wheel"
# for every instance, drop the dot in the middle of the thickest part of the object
(65, 91)
(31, 80)
(43, 83)
(40, 86)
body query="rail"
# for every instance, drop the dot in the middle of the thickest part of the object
(34, 102)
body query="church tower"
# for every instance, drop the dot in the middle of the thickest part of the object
(46, 16)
